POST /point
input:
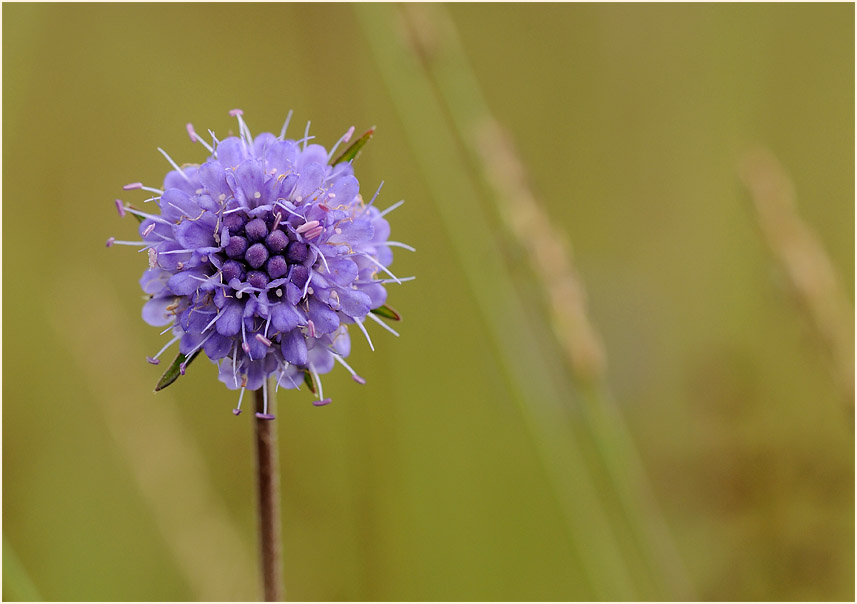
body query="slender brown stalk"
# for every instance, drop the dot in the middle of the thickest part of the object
(268, 475)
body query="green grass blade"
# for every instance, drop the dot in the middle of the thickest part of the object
(519, 343)
(17, 584)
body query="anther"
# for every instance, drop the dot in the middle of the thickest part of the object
(120, 207)
(153, 360)
(148, 230)
(132, 186)
(310, 328)
(110, 241)
(322, 402)
(314, 233)
(236, 112)
(153, 258)
(263, 339)
(245, 347)
(306, 227)
(191, 133)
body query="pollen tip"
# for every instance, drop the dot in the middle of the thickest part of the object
(132, 186)
(236, 412)
(191, 133)
(153, 360)
(267, 416)
(120, 207)
(322, 402)
(110, 241)
(182, 368)
(236, 112)
(358, 379)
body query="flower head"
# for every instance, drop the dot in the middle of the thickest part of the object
(263, 257)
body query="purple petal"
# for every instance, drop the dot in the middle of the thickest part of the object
(194, 234)
(345, 190)
(251, 180)
(313, 154)
(213, 178)
(310, 180)
(217, 346)
(262, 142)
(230, 152)
(155, 311)
(293, 347)
(325, 320)
(186, 282)
(321, 359)
(281, 157)
(176, 204)
(354, 302)
(229, 322)
(285, 317)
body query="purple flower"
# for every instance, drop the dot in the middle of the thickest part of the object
(263, 257)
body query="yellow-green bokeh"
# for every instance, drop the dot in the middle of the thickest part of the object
(425, 484)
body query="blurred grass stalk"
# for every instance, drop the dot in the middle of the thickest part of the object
(810, 272)
(17, 584)
(169, 469)
(458, 106)
(536, 379)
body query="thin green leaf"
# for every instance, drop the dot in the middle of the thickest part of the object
(175, 370)
(388, 312)
(309, 381)
(351, 152)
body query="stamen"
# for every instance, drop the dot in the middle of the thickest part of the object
(382, 267)
(264, 414)
(194, 137)
(237, 410)
(120, 207)
(132, 186)
(148, 230)
(310, 326)
(348, 368)
(344, 139)
(400, 244)
(263, 339)
(154, 360)
(391, 208)
(371, 201)
(153, 257)
(285, 125)
(174, 164)
(322, 401)
(277, 218)
(365, 333)
(382, 324)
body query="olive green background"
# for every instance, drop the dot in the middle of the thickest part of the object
(425, 484)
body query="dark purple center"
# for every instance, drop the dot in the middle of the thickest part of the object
(258, 253)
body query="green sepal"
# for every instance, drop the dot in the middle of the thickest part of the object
(174, 370)
(388, 312)
(309, 381)
(351, 152)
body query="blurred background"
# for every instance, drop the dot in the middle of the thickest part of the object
(624, 364)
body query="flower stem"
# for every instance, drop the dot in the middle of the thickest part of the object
(267, 472)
